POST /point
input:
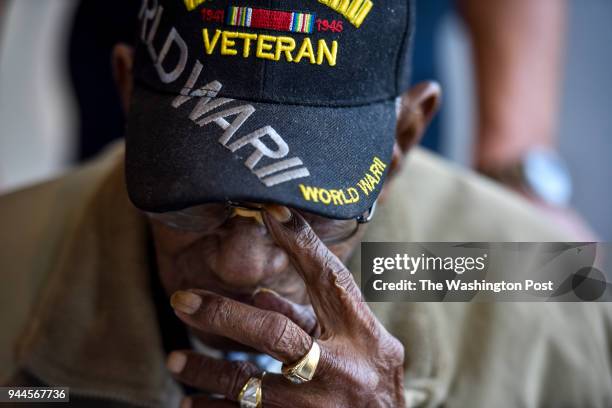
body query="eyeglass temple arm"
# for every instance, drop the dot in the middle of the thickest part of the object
(366, 218)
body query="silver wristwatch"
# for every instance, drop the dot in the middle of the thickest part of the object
(542, 173)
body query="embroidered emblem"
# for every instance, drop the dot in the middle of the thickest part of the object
(287, 21)
(355, 11)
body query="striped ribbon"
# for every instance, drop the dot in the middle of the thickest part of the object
(294, 22)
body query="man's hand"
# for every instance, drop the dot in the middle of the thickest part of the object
(361, 364)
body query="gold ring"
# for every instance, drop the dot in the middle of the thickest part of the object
(303, 370)
(250, 395)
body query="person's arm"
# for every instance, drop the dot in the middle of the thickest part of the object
(518, 51)
(518, 54)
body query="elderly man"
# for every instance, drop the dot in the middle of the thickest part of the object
(261, 138)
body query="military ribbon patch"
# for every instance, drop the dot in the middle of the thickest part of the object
(287, 21)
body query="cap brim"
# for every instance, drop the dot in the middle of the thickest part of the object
(172, 162)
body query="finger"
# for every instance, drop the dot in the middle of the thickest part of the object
(302, 315)
(214, 376)
(202, 401)
(268, 332)
(330, 284)
(228, 379)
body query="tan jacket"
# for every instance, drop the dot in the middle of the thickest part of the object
(76, 309)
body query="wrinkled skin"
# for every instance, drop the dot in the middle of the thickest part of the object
(361, 363)
(271, 287)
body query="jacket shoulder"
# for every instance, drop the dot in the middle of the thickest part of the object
(35, 221)
(444, 202)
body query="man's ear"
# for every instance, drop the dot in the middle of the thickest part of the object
(418, 107)
(123, 59)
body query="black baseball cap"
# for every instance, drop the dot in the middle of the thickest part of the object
(287, 102)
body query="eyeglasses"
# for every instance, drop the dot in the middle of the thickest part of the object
(209, 217)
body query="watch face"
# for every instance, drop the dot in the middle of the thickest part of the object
(548, 177)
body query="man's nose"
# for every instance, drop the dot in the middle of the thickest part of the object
(247, 254)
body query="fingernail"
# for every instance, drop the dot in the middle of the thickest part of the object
(186, 302)
(176, 362)
(280, 213)
(265, 290)
(186, 403)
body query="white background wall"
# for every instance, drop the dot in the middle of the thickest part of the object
(36, 120)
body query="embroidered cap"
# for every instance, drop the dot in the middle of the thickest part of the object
(280, 101)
